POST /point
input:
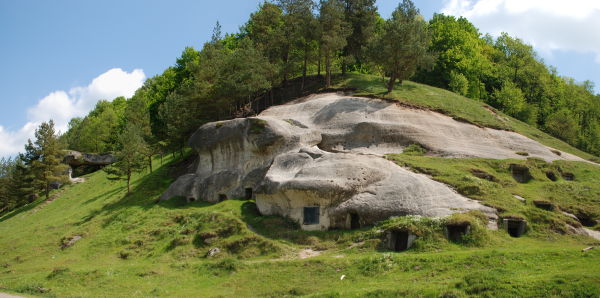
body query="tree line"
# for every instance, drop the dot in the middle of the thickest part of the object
(287, 40)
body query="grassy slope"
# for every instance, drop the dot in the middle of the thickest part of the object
(454, 105)
(133, 246)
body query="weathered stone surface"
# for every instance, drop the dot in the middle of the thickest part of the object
(75, 158)
(326, 151)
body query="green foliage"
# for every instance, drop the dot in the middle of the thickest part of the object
(47, 168)
(510, 99)
(334, 30)
(130, 156)
(563, 124)
(403, 46)
(458, 83)
(414, 149)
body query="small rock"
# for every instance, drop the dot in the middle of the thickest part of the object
(212, 252)
(68, 242)
(520, 198)
(588, 248)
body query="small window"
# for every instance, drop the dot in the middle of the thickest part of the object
(311, 215)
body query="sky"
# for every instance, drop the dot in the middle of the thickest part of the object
(58, 58)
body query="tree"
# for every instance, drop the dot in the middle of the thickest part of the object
(47, 168)
(404, 44)
(460, 49)
(459, 83)
(131, 157)
(510, 99)
(136, 113)
(334, 31)
(362, 16)
(564, 125)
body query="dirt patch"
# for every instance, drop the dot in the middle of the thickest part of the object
(308, 253)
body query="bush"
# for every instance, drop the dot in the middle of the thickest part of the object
(458, 83)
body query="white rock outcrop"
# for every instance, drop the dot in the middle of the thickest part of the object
(318, 160)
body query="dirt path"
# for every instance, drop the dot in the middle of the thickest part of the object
(4, 295)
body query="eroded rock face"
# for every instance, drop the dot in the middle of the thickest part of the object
(75, 159)
(319, 161)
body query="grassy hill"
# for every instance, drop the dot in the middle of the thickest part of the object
(132, 245)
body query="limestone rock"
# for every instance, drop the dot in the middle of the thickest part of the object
(318, 160)
(75, 158)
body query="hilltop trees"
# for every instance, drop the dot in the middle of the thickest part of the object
(334, 30)
(361, 15)
(404, 44)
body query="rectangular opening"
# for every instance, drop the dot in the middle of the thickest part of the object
(311, 215)
(248, 193)
(515, 228)
(456, 232)
(400, 241)
(354, 221)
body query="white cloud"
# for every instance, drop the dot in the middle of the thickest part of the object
(547, 24)
(61, 106)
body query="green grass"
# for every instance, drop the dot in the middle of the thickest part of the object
(134, 246)
(456, 106)
(492, 182)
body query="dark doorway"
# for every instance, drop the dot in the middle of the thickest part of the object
(311, 215)
(515, 227)
(222, 197)
(456, 232)
(354, 221)
(400, 240)
(248, 193)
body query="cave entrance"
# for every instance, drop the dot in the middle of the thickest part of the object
(222, 197)
(249, 194)
(515, 227)
(401, 240)
(550, 175)
(354, 221)
(456, 232)
(520, 173)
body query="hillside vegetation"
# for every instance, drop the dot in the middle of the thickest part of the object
(131, 244)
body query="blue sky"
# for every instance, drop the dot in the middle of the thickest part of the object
(57, 58)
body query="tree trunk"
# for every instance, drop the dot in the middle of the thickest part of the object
(47, 191)
(128, 181)
(391, 83)
(319, 63)
(327, 71)
(150, 162)
(304, 67)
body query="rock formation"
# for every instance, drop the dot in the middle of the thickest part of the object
(75, 159)
(320, 161)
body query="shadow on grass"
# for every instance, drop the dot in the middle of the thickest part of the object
(21, 209)
(144, 194)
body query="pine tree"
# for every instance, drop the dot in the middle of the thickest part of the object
(362, 16)
(404, 44)
(47, 168)
(131, 157)
(334, 30)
